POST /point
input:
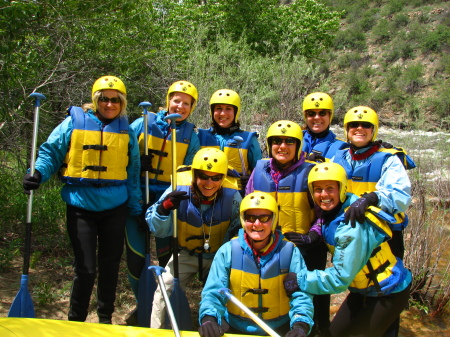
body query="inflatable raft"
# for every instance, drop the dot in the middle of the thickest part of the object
(37, 327)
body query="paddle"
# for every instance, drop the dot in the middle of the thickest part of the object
(147, 284)
(158, 271)
(22, 305)
(178, 298)
(252, 315)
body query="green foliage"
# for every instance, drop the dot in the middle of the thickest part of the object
(357, 85)
(401, 20)
(350, 39)
(440, 104)
(411, 79)
(382, 31)
(350, 60)
(436, 40)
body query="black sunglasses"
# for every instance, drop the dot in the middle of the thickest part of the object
(203, 176)
(279, 141)
(365, 125)
(105, 99)
(263, 218)
(321, 113)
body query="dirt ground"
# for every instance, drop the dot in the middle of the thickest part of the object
(50, 289)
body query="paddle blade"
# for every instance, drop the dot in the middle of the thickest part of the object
(180, 307)
(22, 305)
(146, 290)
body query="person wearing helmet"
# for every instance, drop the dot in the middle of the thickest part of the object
(375, 173)
(319, 142)
(253, 266)
(207, 198)
(284, 176)
(241, 147)
(181, 98)
(99, 190)
(363, 261)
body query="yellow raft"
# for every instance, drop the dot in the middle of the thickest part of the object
(37, 327)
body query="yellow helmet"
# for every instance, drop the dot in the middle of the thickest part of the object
(226, 96)
(107, 82)
(284, 129)
(259, 200)
(329, 171)
(210, 159)
(185, 87)
(318, 100)
(362, 114)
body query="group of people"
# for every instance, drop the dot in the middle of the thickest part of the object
(261, 227)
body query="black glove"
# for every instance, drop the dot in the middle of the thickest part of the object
(291, 284)
(31, 182)
(146, 162)
(302, 239)
(210, 327)
(244, 181)
(172, 201)
(299, 329)
(315, 157)
(141, 223)
(357, 210)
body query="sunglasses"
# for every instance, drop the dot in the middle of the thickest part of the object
(105, 99)
(203, 176)
(365, 125)
(287, 141)
(263, 218)
(321, 113)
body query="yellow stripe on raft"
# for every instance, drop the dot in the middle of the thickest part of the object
(37, 327)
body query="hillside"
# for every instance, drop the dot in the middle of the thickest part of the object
(393, 56)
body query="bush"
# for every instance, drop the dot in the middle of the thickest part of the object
(350, 39)
(401, 20)
(436, 40)
(382, 32)
(411, 79)
(440, 104)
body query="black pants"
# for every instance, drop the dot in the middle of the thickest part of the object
(369, 316)
(316, 258)
(93, 233)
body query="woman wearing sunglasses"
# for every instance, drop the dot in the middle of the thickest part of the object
(284, 175)
(207, 199)
(253, 266)
(363, 261)
(318, 140)
(375, 173)
(225, 105)
(99, 190)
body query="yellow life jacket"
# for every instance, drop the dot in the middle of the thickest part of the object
(261, 289)
(296, 210)
(194, 228)
(96, 156)
(160, 148)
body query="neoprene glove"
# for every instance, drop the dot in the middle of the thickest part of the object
(31, 182)
(291, 284)
(210, 327)
(357, 210)
(146, 162)
(315, 157)
(172, 201)
(302, 239)
(299, 329)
